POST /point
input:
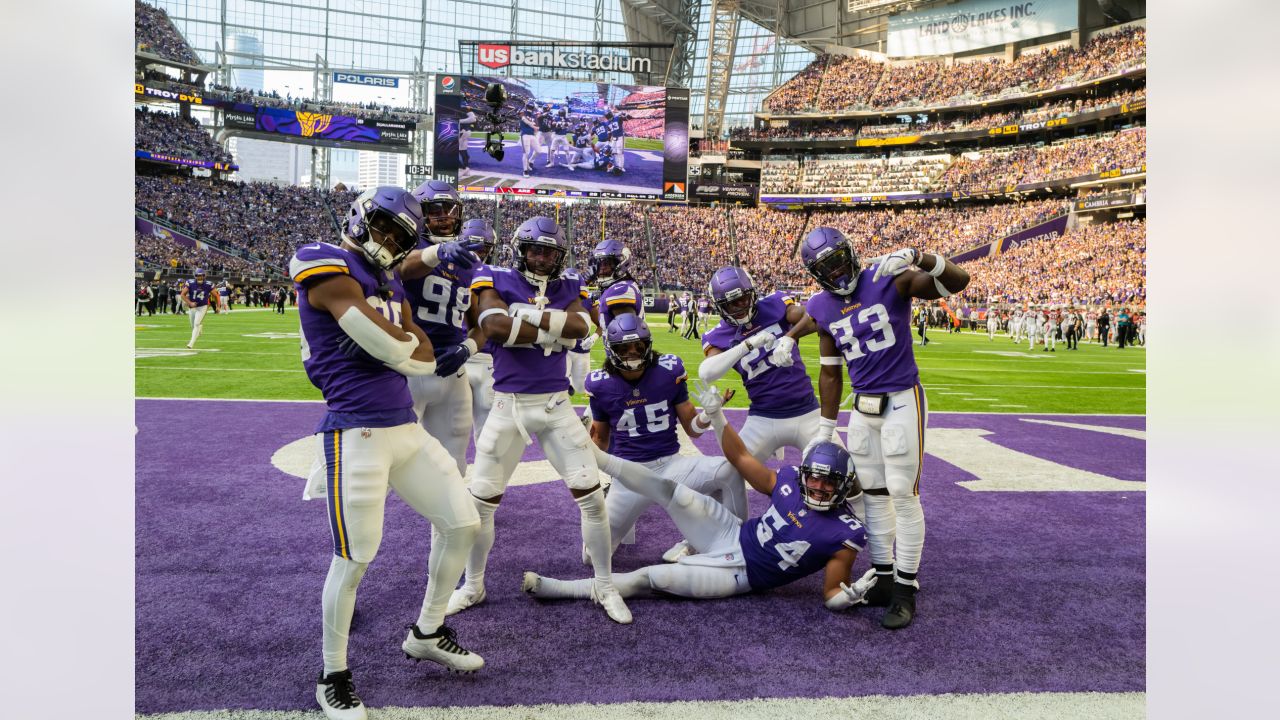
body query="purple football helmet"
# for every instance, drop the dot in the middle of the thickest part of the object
(199, 272)
(479, 230)
(628, 344)
(442, 209)
(830, 259)
(827, 477)
(606, 274)
(385, 223)
(541, 237)
(734, 293)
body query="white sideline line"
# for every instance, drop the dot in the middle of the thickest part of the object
(931, 412)
(975, 706)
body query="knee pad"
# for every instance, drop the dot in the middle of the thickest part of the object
(683, 496)
(348, 572)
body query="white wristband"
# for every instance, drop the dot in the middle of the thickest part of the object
(942, 289)
(431, 256)
(516, 324)
(830, 360)
(940, 265)
(471, 346)
(555, 321)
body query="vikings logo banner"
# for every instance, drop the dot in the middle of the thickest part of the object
(312, 123)
(319, 126)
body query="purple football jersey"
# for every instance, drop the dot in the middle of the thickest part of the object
(642, 414)
(358, 392)
(525, 368)
(620, 294)
(790, 541)
(774, 392)
(198, 292)
(440, 302)
(872, 328)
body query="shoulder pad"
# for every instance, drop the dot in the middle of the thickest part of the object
(318, 260)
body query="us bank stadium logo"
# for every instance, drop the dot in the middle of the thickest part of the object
(312, 123)
(499, 56)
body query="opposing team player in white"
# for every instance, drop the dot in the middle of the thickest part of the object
(637, 401)
(359, 342)
(864, 323)
(531, 313)
(810, 525)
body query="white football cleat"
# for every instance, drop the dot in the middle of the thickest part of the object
(606, 595)
(337, 696)
(441, 647)
(530, 582)
(463, 598)
(677, 551)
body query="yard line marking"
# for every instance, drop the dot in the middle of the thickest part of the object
(1122, 432)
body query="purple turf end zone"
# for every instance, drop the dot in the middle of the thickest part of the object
(1021, 591)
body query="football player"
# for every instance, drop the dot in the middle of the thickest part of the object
(464, 139)
(479, 365)
(863, 319)
(559, 135)
(810, 525)
(783, 410)
(637, 399)
(993, 322)
(617, 138)
(359, 343)
(532, 314)
(704, 311)
(196, 295)
(437, 281)
(528, 136)
(619, 294)
(579, 355)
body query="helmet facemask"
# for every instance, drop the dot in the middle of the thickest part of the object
(738, 306)
(386, 240)
(444, 218)
(540, 260)
(632, 354)
(836, 270)
(824, 488)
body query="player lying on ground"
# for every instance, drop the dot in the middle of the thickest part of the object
(810, 525)
(634, 400)
(359, 343)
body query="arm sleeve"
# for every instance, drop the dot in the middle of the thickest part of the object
(715, 367)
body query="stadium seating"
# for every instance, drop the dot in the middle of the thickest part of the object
(847, 83)
(1101, 263)
(161, 132)
(156, 253)
(153, 32)
(270, 221)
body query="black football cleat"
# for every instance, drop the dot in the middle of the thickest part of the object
(902, 607)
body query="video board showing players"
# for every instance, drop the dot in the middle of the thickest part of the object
(563, 138)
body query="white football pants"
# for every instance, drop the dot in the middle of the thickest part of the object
(443, 406)
(352, 471)
(480, 377)
(763, 436)
(706, 475)
(888, 452)
(196, 317)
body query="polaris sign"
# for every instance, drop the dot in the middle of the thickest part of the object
(500, 56)
(366, 80)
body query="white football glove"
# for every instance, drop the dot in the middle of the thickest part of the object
(589, 341)
(857, 593)
(709, 397)
(530, 315)
(762, 339)
(781, 355)
(826, 433)
(896, 263)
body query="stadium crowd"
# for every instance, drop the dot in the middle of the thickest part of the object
(269, 221)
(850, 128)
(162, 132)
(367, 110)
(850, 83)
(912, 171)
(1070, 158)
(1097, 263)
(156, 252)
(154, 32)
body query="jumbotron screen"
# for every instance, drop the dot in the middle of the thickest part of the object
(563, 138)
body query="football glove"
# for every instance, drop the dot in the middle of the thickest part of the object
(762, 339)
(857, 593)
(781, 355)
(451, 359)
(462, 254)
(350, 348)
(896, 263)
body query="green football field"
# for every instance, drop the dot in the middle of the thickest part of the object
(253, 354)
